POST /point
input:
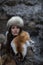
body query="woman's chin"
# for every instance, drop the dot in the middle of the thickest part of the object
(15, 34)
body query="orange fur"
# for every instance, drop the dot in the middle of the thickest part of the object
(20, 40)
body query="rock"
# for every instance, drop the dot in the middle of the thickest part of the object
(1, 1)
(30, 2)
(12, 2)
(32, 24)
(40, 26)
(22, 10)
(38, 54)
(3, 28)
(2, 38)
(3, 16)
(38, 18)
(41, 33)
(18, 9)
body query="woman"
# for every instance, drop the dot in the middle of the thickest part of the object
(15, 25)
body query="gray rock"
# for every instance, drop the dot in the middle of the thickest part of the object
(2, 38)
(41, 33)
(30, 2)
(39, 26)
(12, 2)
(1, 1)
(3, 16)
(27, 12)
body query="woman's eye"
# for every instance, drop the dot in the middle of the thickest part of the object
(13, 27)
(17, 27)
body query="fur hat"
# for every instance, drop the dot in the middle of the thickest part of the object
(15, 20)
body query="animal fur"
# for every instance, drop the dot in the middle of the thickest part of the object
(20, 43)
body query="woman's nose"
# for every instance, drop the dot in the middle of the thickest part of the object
(15, 28)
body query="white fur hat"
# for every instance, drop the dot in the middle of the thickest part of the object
(15, 20)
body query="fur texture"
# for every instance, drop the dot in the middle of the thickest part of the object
(20, 43)
(15, 20)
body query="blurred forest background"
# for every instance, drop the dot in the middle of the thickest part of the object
(32, 13)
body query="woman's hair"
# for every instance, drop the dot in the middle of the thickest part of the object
(10, 38)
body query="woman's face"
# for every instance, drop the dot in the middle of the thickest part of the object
(15, 30)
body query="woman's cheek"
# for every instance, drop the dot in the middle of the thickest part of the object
(18, 30)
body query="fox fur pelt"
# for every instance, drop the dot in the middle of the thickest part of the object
(20, 43)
